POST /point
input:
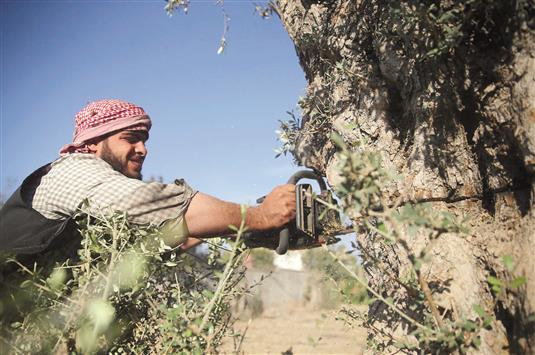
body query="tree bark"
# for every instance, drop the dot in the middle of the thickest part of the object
(445, 91)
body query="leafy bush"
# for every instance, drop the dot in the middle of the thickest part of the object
(124, 291)
(362, 190)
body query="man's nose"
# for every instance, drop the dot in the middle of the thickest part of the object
(141, 149)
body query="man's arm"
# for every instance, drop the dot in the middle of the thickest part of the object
(209, 216)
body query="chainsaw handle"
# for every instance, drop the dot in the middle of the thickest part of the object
(284, 235)
(284, 241)
(303, 174)
(307, 174)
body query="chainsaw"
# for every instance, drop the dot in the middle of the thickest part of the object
(315, 223)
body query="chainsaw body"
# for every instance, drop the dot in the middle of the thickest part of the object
(312, 226)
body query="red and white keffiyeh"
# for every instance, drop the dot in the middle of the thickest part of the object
(102, 117)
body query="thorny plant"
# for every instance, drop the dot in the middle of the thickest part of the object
(287, 134)
(316, 122)
(362, 198)
(362, 187)
(317, 107)
(444, 26)
(125, 291)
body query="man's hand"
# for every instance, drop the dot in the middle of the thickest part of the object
(191, 242)
(277, 209)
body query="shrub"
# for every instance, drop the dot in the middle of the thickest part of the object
(124, 291)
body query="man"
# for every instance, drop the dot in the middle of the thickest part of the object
(103, 167)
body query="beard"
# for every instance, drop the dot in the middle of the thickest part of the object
(117, 163)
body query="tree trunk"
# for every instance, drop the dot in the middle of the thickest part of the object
(445, 91)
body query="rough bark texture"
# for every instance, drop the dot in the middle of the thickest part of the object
(454, 114)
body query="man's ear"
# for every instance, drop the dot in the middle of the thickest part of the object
(93, 147)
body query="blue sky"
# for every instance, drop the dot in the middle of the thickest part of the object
(214, 116)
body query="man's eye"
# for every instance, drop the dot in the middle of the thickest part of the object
(131, 139)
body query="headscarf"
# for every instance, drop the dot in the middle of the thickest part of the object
(102, 117)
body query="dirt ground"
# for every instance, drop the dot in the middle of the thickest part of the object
(298, 330)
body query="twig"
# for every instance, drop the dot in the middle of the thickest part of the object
(430, 300)
(179, 299)
(412, 292)
(238, 348)
(217, 246)
(376, 294)
(224, 278)
(13, 346)
(113, 257)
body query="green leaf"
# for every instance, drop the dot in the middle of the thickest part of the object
(432, 52)
(517, 282)
(508, 262)
(417, 264)
(370, 300)
(101, 313)
(477, 342)
(469, 325)
(57, 278)
(209, 294)
(26, 283)
(211, 327)
(382, 227)
(446, 16)
(412, 230)
(494, 281)
(480, 311)
(233, 228)
(400, 345)
(86, 340)
(338, 140)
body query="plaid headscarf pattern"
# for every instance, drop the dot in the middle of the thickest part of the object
(103, 117)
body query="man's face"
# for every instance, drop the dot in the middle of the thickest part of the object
(125, 151)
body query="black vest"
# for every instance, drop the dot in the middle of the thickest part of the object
(24, 231)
